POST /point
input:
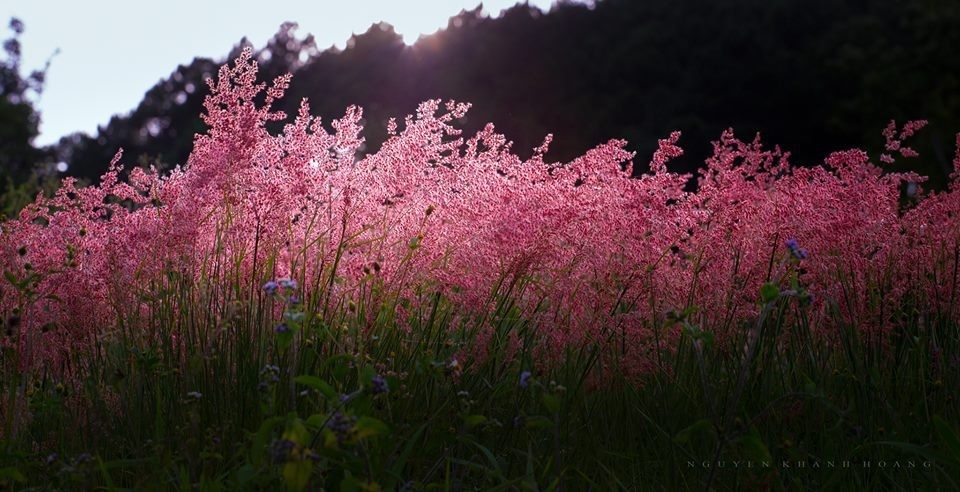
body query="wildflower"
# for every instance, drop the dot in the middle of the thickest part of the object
(796, 250)
(51, 458)
(280, 450)
(282, 328)
(453, 368)
(269, 376)
(288, 284)
(525, 379)
(270, 287)
(341, 425)
(194, 395)
(378, 385)
(293, 300)
(270, 369)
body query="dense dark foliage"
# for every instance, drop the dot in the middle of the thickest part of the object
(812, 75)
(18, 118)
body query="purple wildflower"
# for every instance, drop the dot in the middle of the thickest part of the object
(378, 385)
(341, 425)
(282, 328)
(280, 450)
(525, 379)
(270, 288)
(796, 250)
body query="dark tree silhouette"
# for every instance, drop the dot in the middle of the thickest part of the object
(19, 119)
(811, 75)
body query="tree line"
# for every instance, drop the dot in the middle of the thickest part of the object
(810, 75)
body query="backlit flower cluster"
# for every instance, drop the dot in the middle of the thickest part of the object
(592, 255)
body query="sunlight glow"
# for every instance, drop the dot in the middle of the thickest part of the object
(113, 51)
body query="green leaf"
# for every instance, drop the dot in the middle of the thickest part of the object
(53, 297)
(494, 462)
(689, 311)
(296, 474)
(551, 402)
(415, 242)
(11, 473)
(367, 372)
(769, 292)
(105, 474)
(243, 476)
(259, 444)
(370, 427)
(316, 383)
(317, 420)
(13, 280)
(472, 421)
(700, 427)
(296, 431)
(753, 447)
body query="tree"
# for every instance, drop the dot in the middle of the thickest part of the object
(19, 120)
(811, 75)
(160, 130)
(23, 167)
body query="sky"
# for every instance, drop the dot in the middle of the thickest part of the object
(112, 51)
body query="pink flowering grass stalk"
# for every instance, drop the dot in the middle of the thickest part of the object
(590, 255)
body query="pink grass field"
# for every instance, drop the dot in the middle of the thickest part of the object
(590, 253)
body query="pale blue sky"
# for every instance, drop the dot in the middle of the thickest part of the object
(113, 51)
